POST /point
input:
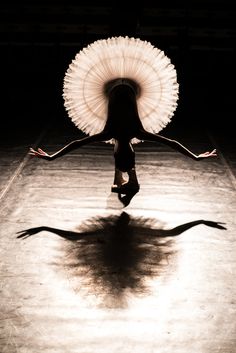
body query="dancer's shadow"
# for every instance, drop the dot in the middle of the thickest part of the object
(114, 256)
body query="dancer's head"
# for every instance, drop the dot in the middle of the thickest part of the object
(120, 83)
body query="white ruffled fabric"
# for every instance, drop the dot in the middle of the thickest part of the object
(120, 57)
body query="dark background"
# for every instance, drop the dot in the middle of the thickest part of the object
(39, 39)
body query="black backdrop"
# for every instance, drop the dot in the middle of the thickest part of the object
(39, 39)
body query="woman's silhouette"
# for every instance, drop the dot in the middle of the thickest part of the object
(123, 98)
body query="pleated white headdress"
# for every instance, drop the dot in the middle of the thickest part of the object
(120, 57)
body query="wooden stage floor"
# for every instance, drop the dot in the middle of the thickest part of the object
(80, 273)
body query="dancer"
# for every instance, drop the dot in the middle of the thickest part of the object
(123, 91)
(123, 125)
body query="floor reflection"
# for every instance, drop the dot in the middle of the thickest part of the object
(113, 257)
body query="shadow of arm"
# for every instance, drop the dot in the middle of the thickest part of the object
(66, 234)
(183, 227)
(162, 233)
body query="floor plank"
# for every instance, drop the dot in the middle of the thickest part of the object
(81, 273)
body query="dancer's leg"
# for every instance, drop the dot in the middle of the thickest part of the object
(121, 186)
(118, 178)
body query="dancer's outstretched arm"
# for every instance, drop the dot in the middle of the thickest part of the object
(147, 136)
(70, 147)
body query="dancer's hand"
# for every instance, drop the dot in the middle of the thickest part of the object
(207, 154)
(31, 231)
(218, 225)
(39, 153)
